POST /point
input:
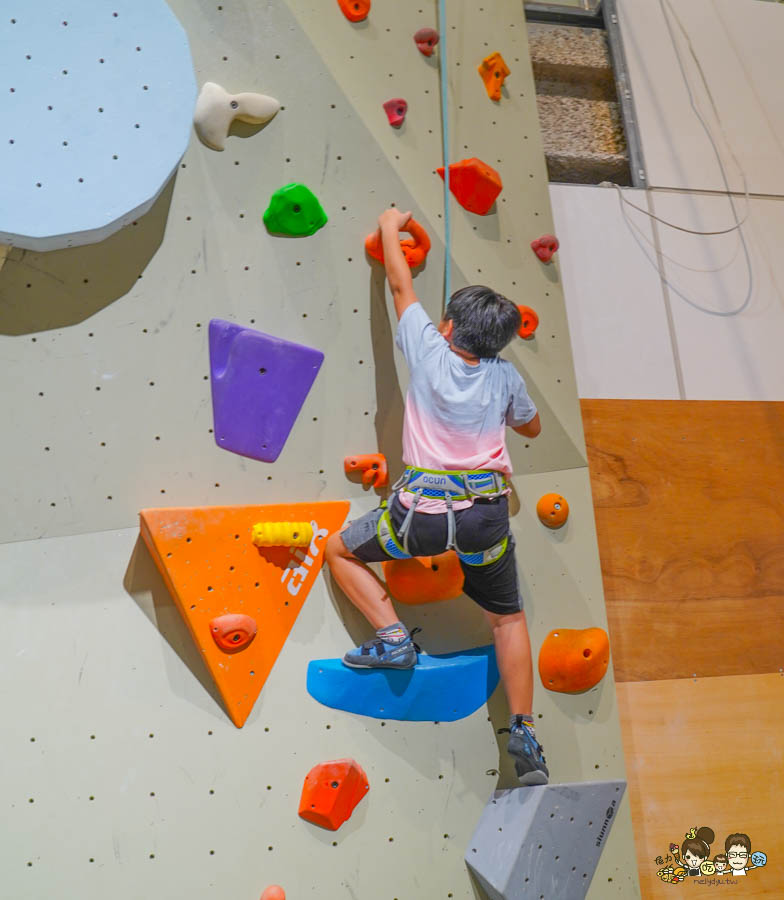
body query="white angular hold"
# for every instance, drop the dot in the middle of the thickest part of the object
(216, 109)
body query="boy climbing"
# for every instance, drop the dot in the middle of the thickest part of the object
(454, 491)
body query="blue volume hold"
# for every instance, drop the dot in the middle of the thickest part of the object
(441, 688)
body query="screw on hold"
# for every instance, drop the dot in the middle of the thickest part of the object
(234, 104)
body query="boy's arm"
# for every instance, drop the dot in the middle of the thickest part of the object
(530, 429)
(398, 272)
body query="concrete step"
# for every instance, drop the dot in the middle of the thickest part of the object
(579, 113)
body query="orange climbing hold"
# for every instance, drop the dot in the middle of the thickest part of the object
(493, 70)
(474, 184)
(553, 510)
(213, 570)
(233, 632)
(425, 579)
(529, 322)
(415, 248)
(331, 792)
(274, 892)
(573, 660)
(373, 467)
(355, 10)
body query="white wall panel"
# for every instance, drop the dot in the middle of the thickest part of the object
(733, 357)
(614, 299)
(738, 44)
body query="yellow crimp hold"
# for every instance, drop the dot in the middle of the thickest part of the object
(282, 534)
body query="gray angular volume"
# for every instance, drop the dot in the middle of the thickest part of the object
(534, 842)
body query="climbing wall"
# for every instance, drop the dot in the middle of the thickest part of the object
(126, 776)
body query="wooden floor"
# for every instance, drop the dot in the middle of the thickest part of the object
(710, 753)
(689, 504)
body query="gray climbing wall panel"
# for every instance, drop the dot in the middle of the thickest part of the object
(140, 784)
(543, 842)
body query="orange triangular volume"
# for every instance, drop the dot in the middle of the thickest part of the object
(212, 569)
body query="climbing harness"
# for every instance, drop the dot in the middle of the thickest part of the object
(449, 485)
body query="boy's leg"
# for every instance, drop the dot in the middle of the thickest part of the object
(392, 647)
(513, 652)
(359, 584)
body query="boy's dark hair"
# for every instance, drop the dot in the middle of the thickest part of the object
(484, 321)
(739, 839)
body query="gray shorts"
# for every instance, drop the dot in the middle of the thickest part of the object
(478, 527)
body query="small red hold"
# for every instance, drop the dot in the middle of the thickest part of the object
(545, 246)
(529, 322)
(426, 40)
(474, 184)
(355, 10)
(396, 110)
(233, 632)
(331, 792)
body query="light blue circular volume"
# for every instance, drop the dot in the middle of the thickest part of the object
(96, 107)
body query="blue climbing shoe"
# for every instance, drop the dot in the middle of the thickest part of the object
(392, 648)
(527, 754)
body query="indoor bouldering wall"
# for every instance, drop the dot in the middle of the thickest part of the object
(124, 774)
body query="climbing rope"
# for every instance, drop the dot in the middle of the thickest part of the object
(445, 139)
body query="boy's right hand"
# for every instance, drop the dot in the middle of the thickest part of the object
(392, 218)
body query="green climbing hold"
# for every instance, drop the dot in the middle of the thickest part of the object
(294, 210)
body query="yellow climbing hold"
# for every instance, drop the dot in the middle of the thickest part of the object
(282, 534)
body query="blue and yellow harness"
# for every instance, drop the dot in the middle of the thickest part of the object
(449, 485)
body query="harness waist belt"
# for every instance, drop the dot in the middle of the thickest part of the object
(452, 483)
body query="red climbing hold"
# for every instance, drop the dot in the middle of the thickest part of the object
(415, 248)
(545, 246)
(474, 184)
(355, 10)
(331, 791)
(426, 40)
(373, 467)
(233, 632)
(274, 892)
(529, 322)
(396, 110)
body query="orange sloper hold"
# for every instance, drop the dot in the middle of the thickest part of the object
(274, 892)
(572, 660)
(355, 10)
(220, 580)
(493, 70)
(474, 184)
(331, 792)
(425, 579)
(553, 510)
(415, 248)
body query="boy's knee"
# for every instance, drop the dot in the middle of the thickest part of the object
(335, 547)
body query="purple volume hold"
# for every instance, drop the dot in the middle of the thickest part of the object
(259, 383)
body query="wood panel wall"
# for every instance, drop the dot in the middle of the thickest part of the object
(706, 752)
(689, 504)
